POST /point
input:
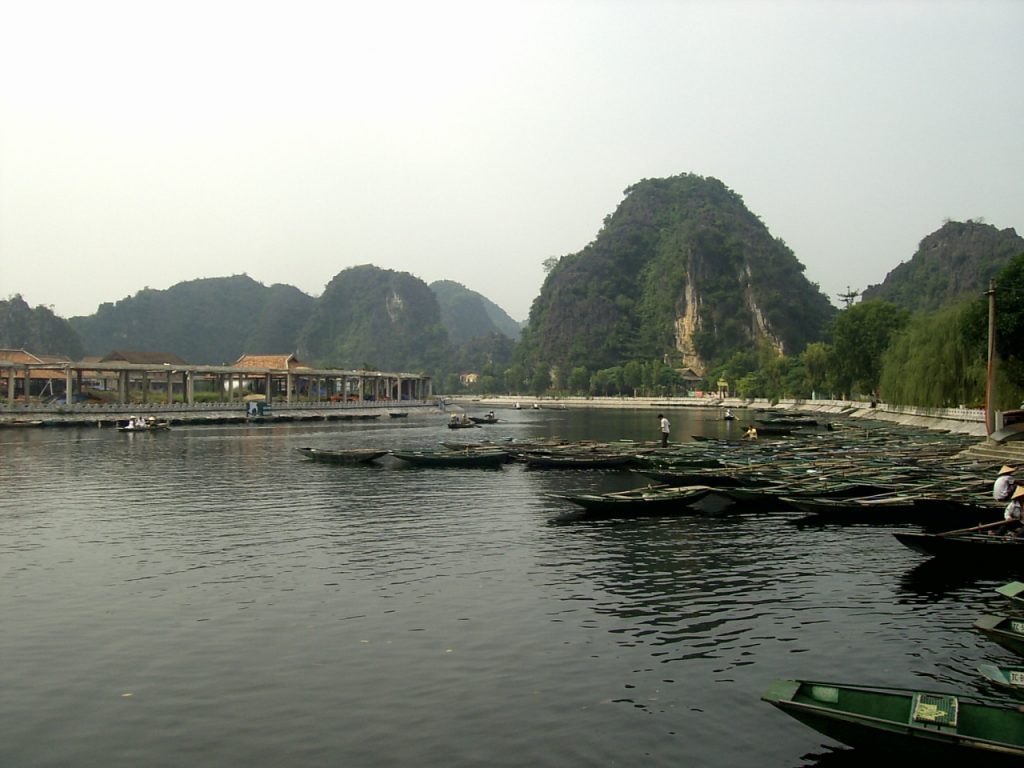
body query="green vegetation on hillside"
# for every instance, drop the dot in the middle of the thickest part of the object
(677, 247)
(37, 331)
(367, 314)
(953, 263)
(467, 315)
(212, 321)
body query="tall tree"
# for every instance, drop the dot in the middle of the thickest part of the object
(860, 337)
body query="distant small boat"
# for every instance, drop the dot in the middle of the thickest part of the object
(149, 426)
(346, 456)
(937, 728)
(639, 502)
(464, 423)
(488, 418)
(398, 414)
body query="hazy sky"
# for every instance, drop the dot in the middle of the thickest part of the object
(143, 143)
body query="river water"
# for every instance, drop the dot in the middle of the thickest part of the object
(206, 597)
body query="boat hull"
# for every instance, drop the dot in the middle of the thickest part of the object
(976, 548)
(920, 724)
(1006, 630)
(353, 456)
(446, 459)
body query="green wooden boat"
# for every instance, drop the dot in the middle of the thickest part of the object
(1008, 631)
(639, 502)
(919, 724)
(1014, 592)
(487, 458)
(343, 456)
(1009, 678)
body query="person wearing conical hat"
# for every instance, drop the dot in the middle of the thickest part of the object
(1005, 484)
(1013, 509)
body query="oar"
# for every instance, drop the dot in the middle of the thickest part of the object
(977, 527)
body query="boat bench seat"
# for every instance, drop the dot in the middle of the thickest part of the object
(929, 709)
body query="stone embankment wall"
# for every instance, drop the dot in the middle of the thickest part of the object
(969, 421)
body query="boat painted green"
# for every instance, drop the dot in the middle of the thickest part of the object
(1008, 631)
(919, 724)
(486, 458)
(565, 460)
(1014, 592)
(639, 502)
(344, 456)
(1009, 678)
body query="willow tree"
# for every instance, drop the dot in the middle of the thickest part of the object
(935, 361)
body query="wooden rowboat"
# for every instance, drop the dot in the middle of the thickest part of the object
(926, 726)
(348, 456)
(575, 460)
(936, 512)
(983, 545)
(149, 426)
(486, 458)
(1008, 631)
(639, 502)
(1007, 678)
(1014, 592)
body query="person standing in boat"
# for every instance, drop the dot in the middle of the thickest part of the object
(1005, 484)
(665, 429)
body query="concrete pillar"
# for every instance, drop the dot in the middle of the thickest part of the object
(170, 389)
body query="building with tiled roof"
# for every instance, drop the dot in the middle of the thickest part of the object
(142, 358)
(273, 362)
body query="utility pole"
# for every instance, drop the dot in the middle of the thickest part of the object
(990, 381)
(848, 297)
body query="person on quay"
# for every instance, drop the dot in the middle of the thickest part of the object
(665, 429)
(1005, 484)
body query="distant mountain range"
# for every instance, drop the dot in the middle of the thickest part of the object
(367, 316)
(681, 272)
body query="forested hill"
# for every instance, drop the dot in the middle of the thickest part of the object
(379, 318)
(680, 271)
(37, 330)
(209, 321)
(467, 314)
(954, 262)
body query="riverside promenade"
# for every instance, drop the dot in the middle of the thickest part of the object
(968, 421)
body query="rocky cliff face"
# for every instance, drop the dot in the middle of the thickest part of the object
(680, 271)
(952, 263)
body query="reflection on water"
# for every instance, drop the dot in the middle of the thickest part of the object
(208, 597)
